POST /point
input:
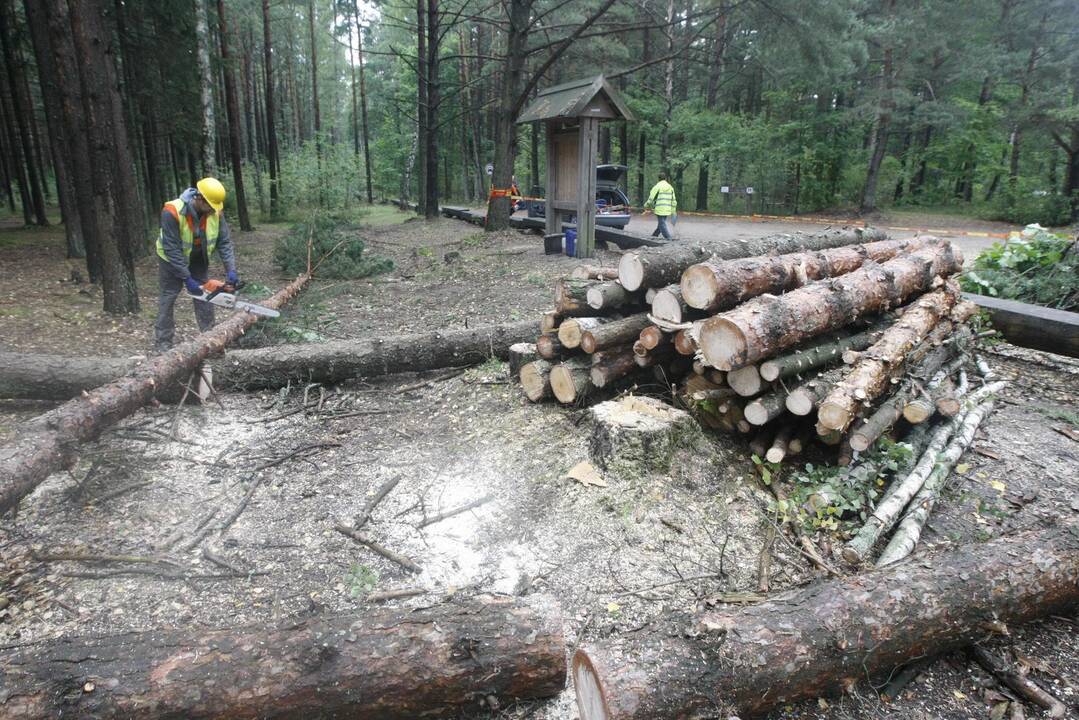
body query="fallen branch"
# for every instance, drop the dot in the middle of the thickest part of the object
(384, 552)
(1024, 687)
(455, 511)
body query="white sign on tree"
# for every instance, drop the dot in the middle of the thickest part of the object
(490, 169)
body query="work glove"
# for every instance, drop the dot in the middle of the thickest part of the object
(232, 277)
(194, 287)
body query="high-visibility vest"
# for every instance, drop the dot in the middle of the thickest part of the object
(210, 225)
(662, 198)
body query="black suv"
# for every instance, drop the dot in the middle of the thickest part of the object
(612, 204)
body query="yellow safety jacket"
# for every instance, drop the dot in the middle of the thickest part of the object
(662, 199)
(210, 226)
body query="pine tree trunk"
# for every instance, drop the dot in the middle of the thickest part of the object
(22, 114)
(271, 124)
(434, 35)
(61, 146)
(206, 98)
(232, 109)
(363, 106)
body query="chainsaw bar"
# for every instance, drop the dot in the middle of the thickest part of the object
(228, 300)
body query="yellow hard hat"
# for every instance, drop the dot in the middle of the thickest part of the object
(212, 191)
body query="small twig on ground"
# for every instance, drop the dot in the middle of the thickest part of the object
(121, 491)
(455, 511)
(902, 678)
(680, 581)
(173, 431)
(383, 491)
(92, 558)
(1022, 686)
(384, 552)
(222, 562)
(354, 413)
(429, 381)
(287, 413)
(764, 562)
(394, 594)
(80, 487)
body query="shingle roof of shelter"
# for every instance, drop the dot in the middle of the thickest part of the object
(572, 99)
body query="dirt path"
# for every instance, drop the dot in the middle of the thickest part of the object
(613, 556)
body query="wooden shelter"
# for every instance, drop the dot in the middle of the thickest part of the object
(571, 114)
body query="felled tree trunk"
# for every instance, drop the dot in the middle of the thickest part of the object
(275, 366)
(659, 267)
(50, 442)
(432, 662)
(610, 365)
(768, 324)
(885, 359)
(827, 636)
(720, 285)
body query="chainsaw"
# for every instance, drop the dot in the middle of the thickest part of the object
(219, 293)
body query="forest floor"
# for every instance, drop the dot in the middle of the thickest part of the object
(613, 556)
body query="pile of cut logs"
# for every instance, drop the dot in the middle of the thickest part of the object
(786, 338)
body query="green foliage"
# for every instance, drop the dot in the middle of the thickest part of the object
(1035, 266)
(360, 579)
(336, 247)
(1069, 416)
(836, 498)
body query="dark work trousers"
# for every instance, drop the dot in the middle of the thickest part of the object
(661, 227)
(169, 287)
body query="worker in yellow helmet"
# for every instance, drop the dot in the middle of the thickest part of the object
(192, 228)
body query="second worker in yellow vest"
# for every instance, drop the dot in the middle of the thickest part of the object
(664, 204)
(192, 228)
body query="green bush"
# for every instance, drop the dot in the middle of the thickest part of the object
(1036, 266)
(336, 246)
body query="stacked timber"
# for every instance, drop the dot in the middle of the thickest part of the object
(844, 335)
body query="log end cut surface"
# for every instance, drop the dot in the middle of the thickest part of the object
(699, 286)
(723, 343)
(630, 271)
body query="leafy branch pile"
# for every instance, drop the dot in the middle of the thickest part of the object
(1037, 267)
(336, 247)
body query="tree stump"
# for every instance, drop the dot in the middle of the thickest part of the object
(637, 436)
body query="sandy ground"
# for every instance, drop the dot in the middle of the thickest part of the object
(614, 557)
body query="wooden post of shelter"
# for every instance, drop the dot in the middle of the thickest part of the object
(571, 114)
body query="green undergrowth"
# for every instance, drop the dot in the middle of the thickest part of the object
(832, 498)
(1036, 266)
(337, 249)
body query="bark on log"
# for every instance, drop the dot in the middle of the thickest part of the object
(720, 285)
(767, 407)
(768, 324)
(885, 359)
(571, 380)
(50, 442)
(609, 295)
(274, 366)
(915, 517)
(593, 272)
(386, 663)
(904, 487)
(536, 380)
(571, 298)
(803, 399)
(668, 305)
(549, 347)
(611, 365)
(828, 636)
(519, 355)
(818, 354)
(343, 359)
(550, 321)
(659, 267)
(612, 334)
